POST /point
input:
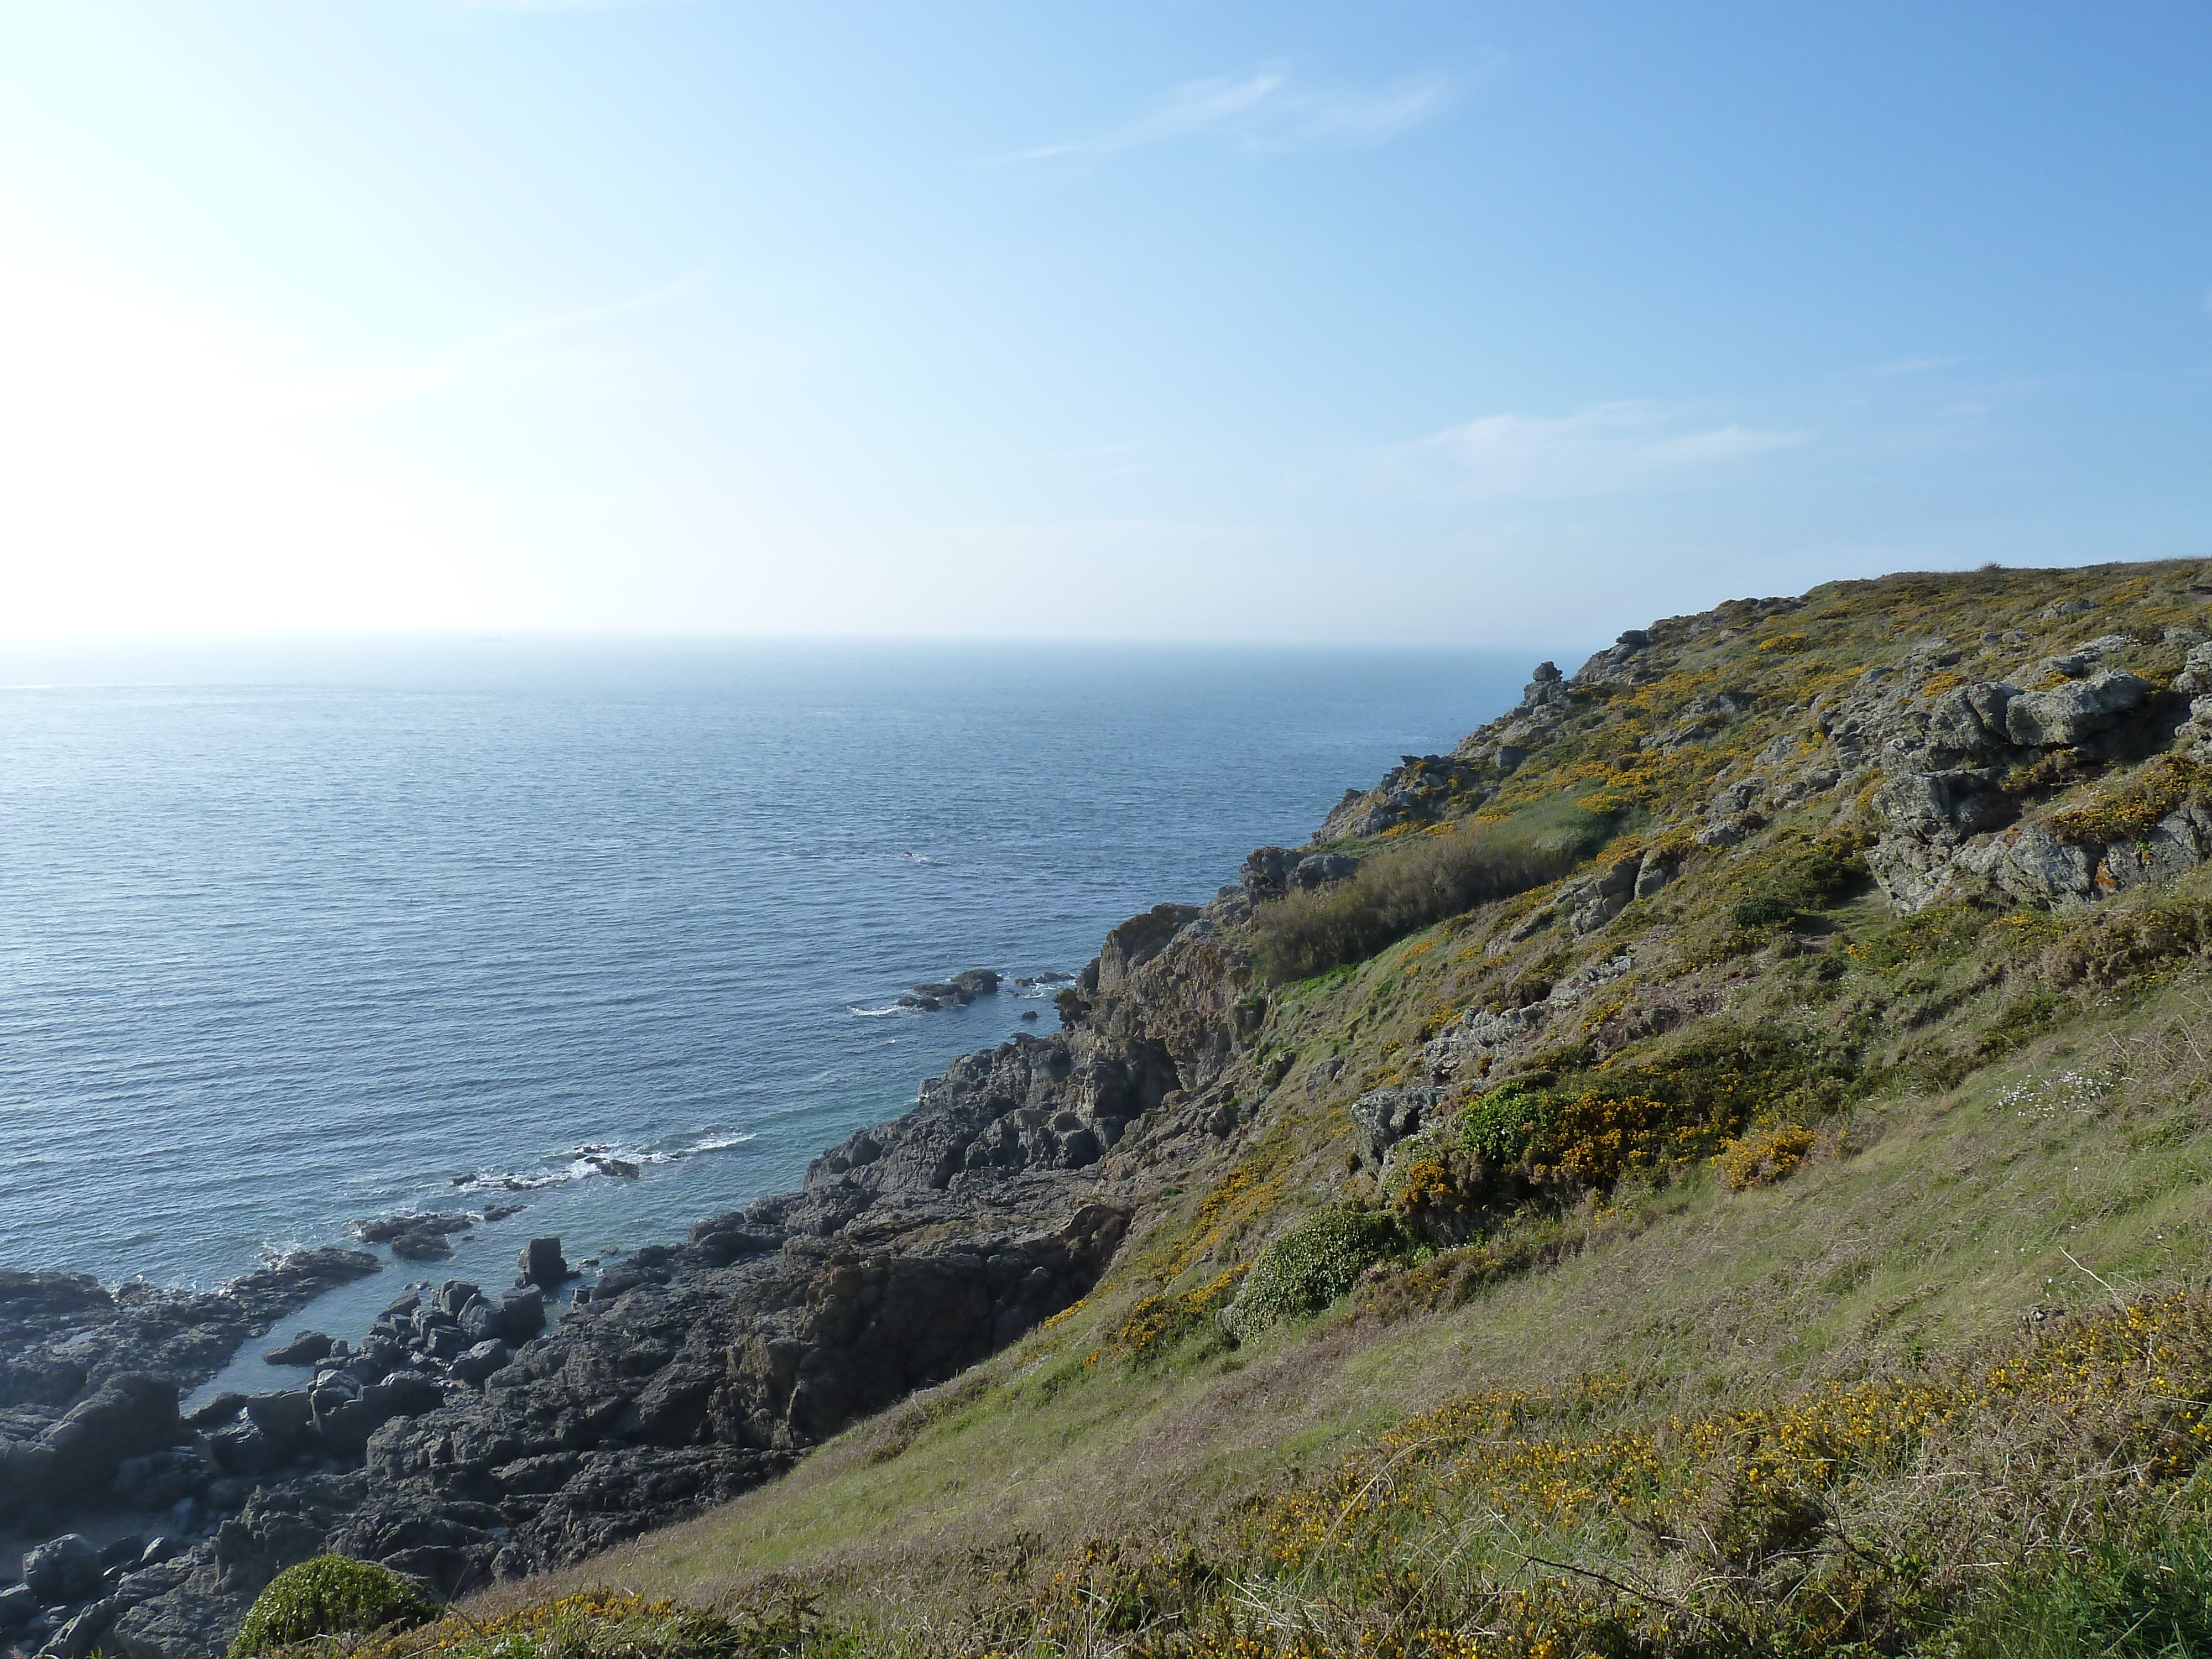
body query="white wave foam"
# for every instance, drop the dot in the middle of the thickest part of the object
(595, 1160)
(878, 1013)
(718, 1143)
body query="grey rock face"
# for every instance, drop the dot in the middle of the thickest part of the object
(1386, 1116)
(305, 1349)
(542, 1264)
(1654, 872)
(64, 1569)
(1968, 724)
(19, 1604)
(1323, 868)
(2179, 842)
(2068, 714)
(2194, 678)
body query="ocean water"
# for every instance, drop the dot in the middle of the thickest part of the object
(295, 935)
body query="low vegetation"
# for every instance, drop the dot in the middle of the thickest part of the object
(329, 1597)
(1797, 1277)
(1417, 880)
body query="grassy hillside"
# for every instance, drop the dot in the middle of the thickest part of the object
(1770, 1221)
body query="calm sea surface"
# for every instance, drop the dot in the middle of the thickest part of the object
(294, 936)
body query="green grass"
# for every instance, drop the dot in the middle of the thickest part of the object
(1955, 1214)
(2013, 1138)
(1411, 882)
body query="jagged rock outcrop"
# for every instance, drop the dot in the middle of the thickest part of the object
(89, 1379)
(1962, 768)
(695, 1372)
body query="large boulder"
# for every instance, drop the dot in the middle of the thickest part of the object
(284, 1416)
(64, 1569)
(522, 1313)
(1322, 868)
(242, 1450)
(305, 1349)
(2070, 714)
(1386, 1116)
(130, 1414)
(482, 1361)
(542, 1264)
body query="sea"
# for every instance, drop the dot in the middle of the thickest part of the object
(298, 934)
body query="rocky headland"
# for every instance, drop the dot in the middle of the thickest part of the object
(478, 1432)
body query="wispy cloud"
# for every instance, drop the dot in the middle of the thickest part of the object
(1266, 110)
(1604, 449)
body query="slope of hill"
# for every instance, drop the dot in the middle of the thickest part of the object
(1716, 1165)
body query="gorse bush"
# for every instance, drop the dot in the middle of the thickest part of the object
(1765, 1156)
(1764, 910)
(330, 1595)
(1405, 888)
(1154, 1324)
(1312, 1265)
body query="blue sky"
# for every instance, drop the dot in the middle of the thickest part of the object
(1441, 324)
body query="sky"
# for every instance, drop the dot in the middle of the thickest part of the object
(1446, 324)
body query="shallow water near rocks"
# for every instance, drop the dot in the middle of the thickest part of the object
(291, 936)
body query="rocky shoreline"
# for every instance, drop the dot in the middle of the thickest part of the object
(474, 1432)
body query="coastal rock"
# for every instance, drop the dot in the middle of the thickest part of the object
(2072, 714)
(522, 1313)
(1266, 870)
(79, 1636)
(701, 1369)
(19, 1604)
(415, 1237)
(542, 1264)
(130, 1413)
(479, 1362)
(1323, 868)
(305, 1349)
(64, 1569)
(285, 1417)
(958, 992)
(1386, 1116)
(1425, 789)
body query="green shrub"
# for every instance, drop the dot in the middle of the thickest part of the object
(1799, 877)
(1506, 1122)
(1764, 910)
(1420, 882)
(1313, 1264)
(330, 1595)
